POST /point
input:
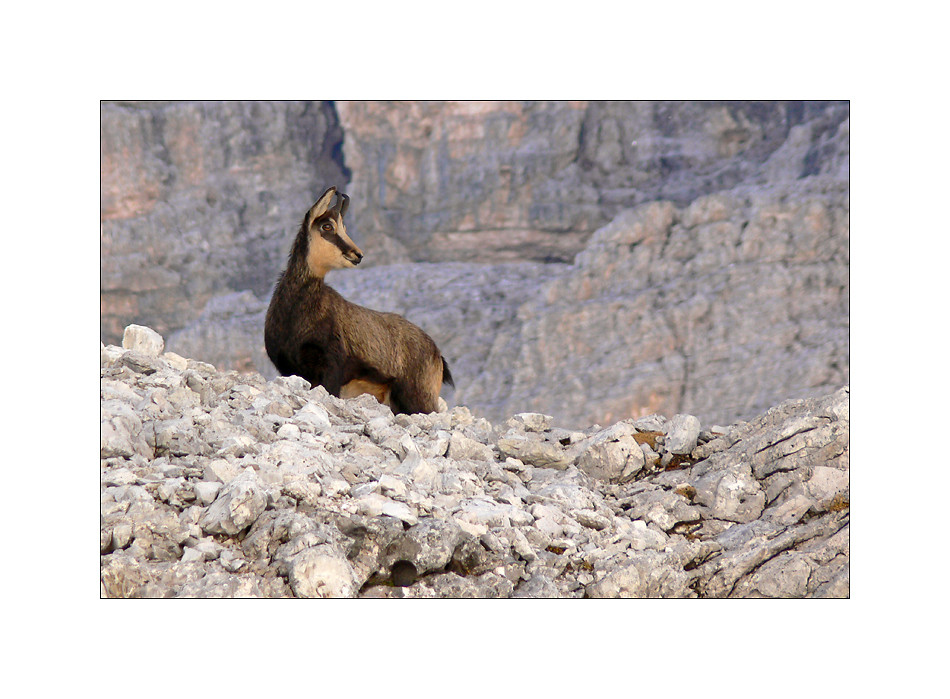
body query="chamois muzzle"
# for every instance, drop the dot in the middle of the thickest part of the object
(354, 256)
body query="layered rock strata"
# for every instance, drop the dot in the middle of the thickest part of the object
(512, 181)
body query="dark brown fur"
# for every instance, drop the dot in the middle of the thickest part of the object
(313, 332)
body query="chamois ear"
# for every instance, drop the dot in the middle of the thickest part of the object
(321, 207)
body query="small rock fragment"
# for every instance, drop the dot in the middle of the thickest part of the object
(237, 506)
(683, 434)
(530, 422)
(143, 339)
(321, 571)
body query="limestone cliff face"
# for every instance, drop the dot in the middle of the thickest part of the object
(594, 261)
(469, 181)
(200, 199)
(709, 309)
(503, 181)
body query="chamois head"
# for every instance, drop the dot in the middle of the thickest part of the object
(328, 245)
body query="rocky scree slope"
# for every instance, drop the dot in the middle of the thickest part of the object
(221, 484)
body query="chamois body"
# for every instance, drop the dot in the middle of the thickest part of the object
(313, 332)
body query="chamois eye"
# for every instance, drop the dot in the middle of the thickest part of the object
(327, 227)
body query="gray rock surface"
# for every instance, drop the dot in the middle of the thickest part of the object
(142, 339)
(718, 310)
(224, 484)
(682, 434)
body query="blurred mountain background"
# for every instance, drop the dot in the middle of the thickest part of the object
(590, 260)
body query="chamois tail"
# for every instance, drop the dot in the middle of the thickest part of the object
(446, 374)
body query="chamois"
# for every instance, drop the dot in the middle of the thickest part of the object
(313, 332)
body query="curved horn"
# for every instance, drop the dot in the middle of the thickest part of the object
(344, 203)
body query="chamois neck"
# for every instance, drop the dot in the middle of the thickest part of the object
(298, 267)
(301, 274)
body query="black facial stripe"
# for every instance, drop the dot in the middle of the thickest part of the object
(342, 245)
(334, 237)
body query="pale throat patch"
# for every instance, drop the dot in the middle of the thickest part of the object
(323, 256)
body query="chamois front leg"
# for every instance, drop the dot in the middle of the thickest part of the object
(321, 367)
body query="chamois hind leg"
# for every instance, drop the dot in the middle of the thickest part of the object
(406, 400)
(381, 391)
(358, 377)
(420, 394)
